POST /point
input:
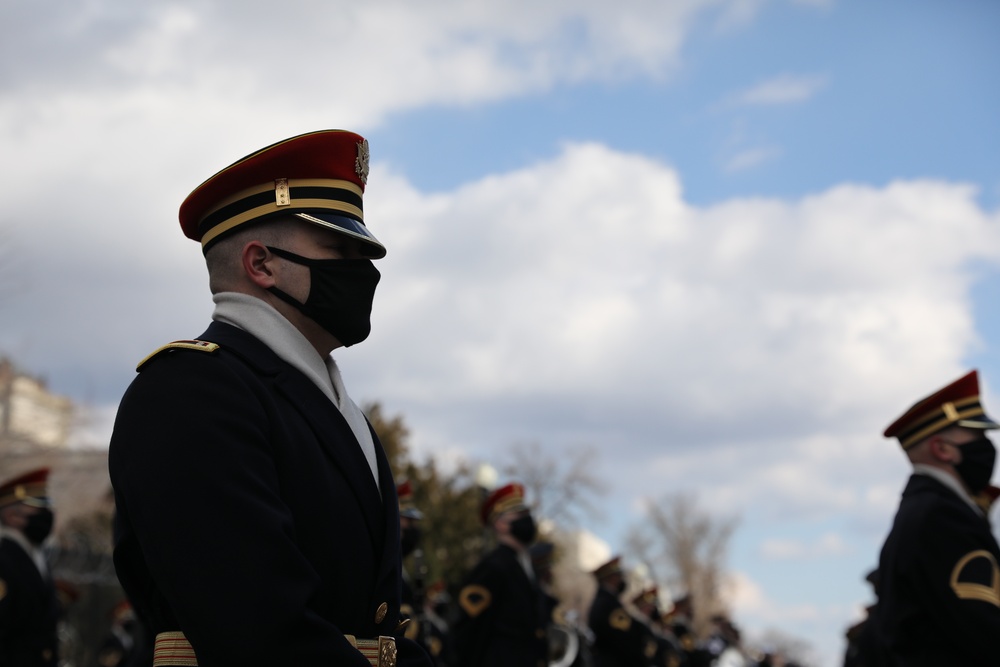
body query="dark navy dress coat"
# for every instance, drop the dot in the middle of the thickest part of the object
(939, 583)
(247, 515)
(29, 611)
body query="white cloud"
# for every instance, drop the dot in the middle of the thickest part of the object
(828, 544)
(598, 263)
(595, 306)
(750, 158)
(783, 89)
(350, 62)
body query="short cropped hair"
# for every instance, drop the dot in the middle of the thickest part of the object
(224, 259)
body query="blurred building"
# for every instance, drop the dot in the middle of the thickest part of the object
(37, 429)
(30, 416)
(41, 429)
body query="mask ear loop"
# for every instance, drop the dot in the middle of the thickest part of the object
(282, 294)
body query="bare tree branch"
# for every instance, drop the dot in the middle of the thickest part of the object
(688, 547)
(562, 489)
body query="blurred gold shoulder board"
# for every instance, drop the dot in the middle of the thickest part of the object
(200, 345)
(474, 599)
(620, 620)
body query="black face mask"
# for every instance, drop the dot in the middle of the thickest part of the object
(39, 526)
(523, 529)
(340, 295)
(976, 468)
(409, 538)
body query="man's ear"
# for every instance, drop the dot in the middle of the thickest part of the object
(257, 261)
(940, 449)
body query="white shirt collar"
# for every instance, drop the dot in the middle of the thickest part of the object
(949, 481)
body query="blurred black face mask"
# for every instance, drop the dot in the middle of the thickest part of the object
(39, 526)
(340, 297)
(978, 458)
(523, 529)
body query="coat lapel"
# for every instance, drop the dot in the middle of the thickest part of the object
(391, 563)
(325, 420)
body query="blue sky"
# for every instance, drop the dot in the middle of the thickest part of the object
(875, 91)
(723, 241)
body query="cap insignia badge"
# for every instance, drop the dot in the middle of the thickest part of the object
(361, 163)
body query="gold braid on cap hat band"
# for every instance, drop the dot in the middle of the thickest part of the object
(946, 415)
(507, 505)
(291, 195)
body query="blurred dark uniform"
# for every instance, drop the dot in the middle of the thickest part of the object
(566, 644)
(123, 646)
(423, 627)
(678, 623)
(667, 651)
(502, 618)
(29, 608)
(619, 639)
(863, 646)
(250, 529)
(939, 584)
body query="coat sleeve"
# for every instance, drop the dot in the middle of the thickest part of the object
(195, 481)
(956, 564)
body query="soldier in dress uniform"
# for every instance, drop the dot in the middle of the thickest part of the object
(257, 520)
(619, 639)
(121, 644)
(409, 532)
(679, 623)
(939, 584)
(501, 617)
(29, 607)
(647, 602)
(423, 628)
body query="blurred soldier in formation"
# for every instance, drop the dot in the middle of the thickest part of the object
(29, 608)
(724, 648)
(541, 561)
(409, 544)
(667, 651)
(568, 647)
(619, 639)
(121, 647)
(679, 622)
(939, 582)
(501, 617)
(424, 627)
(863, 649)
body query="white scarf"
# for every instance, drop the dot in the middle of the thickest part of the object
(949, 481)
(269, 326)
(35, 553)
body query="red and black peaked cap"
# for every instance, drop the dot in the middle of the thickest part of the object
(957, 404)
(318, 177)
(30, 488)
(507, 498)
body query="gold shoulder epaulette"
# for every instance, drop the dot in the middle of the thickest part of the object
(200, 345)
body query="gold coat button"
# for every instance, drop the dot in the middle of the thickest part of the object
(381, 612)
